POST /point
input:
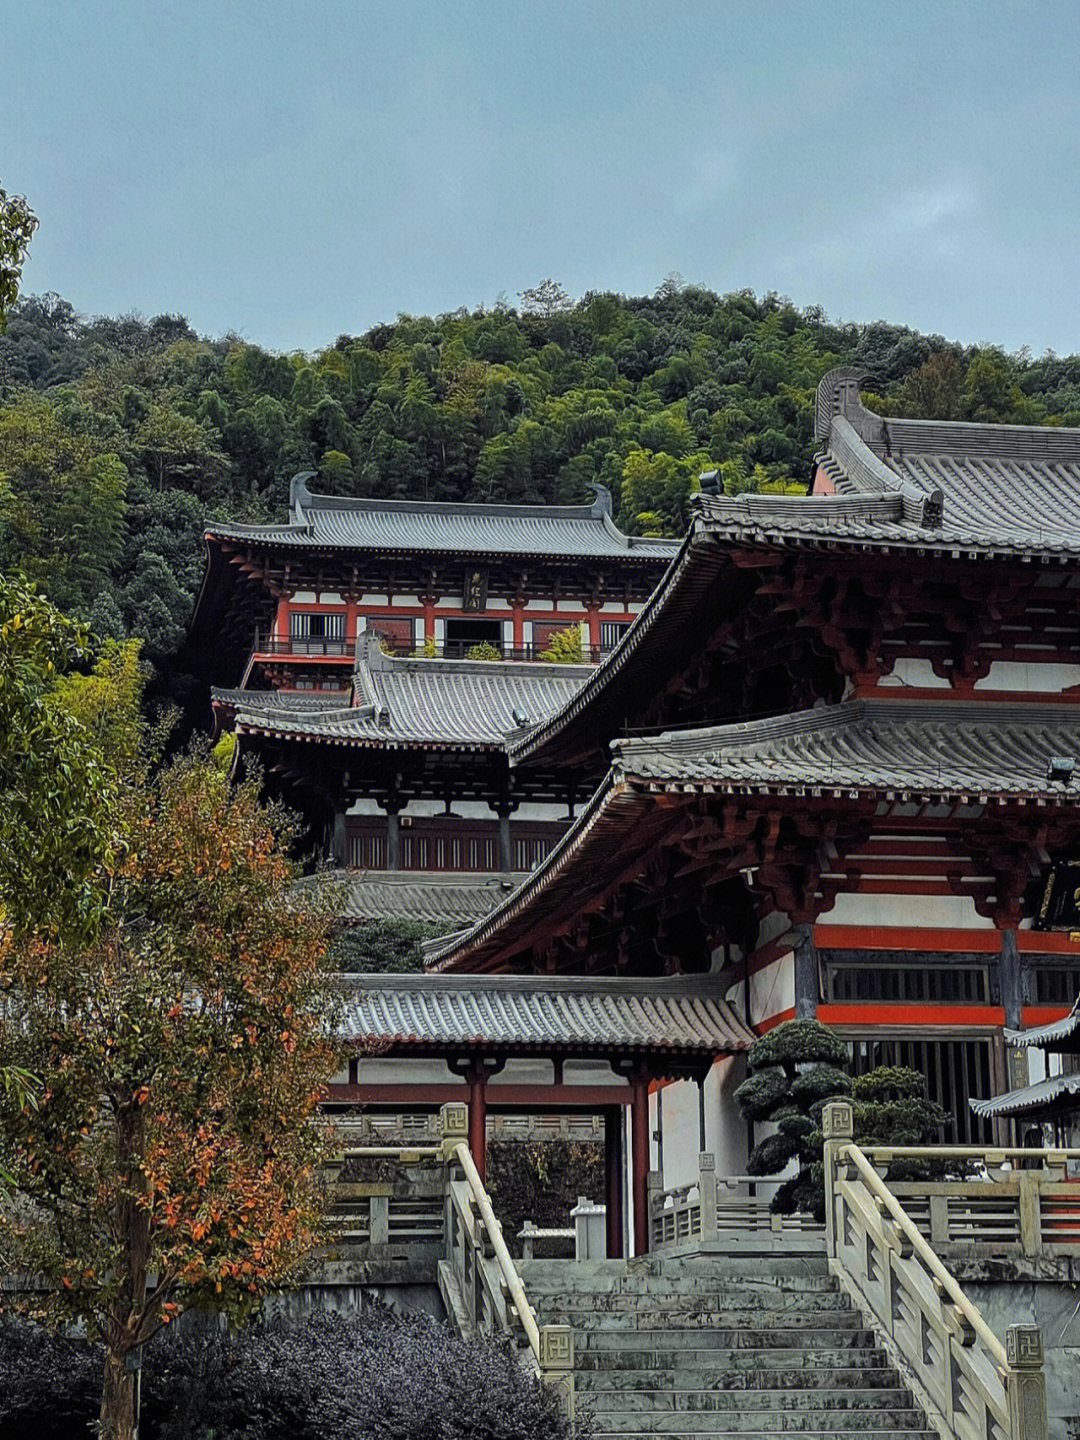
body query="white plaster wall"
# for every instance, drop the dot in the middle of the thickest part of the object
(912, 671)
(389, 1071)
(1013, 675)
(365, 806)
(945, 912)
(374, 599)
(772, 989)
(536, 810)
(403, 600)
(680, 1131)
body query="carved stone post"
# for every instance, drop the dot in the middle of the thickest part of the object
(707, 1194)
(1026, 1383)
(838, 1127)
(453, 1127)
(557, 1365)
(643, 1225)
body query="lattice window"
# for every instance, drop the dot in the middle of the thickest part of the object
(367, 851)
(957, 1070)
(317, 633)
(874, 981)
(1054, 984)
(611, 632)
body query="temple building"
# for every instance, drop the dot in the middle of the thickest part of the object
(835, 765)
(829, 769)
(375, 655)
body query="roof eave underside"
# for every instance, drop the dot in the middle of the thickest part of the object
(623, 790)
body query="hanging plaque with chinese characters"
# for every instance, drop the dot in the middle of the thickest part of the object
(1059, 907)
(476, 583)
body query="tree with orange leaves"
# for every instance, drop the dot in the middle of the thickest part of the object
(172, 1159)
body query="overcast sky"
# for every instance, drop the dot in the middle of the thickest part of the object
(293, 171)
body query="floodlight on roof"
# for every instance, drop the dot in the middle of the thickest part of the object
(1060, 769)
(518, 716)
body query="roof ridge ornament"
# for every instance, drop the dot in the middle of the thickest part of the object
(299, 495)
(837, 394)
(602, 503)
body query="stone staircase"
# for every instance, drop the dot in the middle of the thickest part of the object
(751, 1345)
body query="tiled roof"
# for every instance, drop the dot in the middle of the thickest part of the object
(403, 701)
(526, 1013)
(999, 489)
(1061, 1036)
(925, 750)
(432, 896)
(933, 748)
(1057, 1094)
(330, 523)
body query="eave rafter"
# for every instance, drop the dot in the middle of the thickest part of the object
(682, 872)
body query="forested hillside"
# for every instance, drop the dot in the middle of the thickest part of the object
(118, 437)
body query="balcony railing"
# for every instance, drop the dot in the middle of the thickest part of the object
(313, 647)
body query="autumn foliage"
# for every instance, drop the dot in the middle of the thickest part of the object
(174, 1156)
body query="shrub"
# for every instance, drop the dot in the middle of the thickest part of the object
(381, 947)
(484, 651)
(372, 1375)
(564, 647)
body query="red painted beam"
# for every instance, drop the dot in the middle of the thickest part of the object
(875, 1013)
(542, 1097)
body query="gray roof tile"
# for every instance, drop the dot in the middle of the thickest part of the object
(404, 701)
(997, 488)
(432, 896)
(573, 531)
(933, 748)
(1058, 1094)
(926, 750)
(522, 1012)
(1059, 1036)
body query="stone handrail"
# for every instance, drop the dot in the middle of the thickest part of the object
(486, 1290)
(701, 1210)
(974, 1387)
(400, 1214)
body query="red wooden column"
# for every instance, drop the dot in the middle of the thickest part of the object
(639, 1157)
(613, 1180)
(477, 1078)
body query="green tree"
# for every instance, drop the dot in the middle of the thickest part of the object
(794, 1070)
(17, 225)
(173, 1159)
(58, 832)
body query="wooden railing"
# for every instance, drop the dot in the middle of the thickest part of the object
(974, 1387)
(478, 1279)
(717, 1207)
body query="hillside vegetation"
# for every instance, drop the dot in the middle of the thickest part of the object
(120, 437)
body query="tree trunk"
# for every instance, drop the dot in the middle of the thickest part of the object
(117, 1398)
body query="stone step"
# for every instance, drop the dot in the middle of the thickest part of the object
(737, 1383)
(697, 1298)
(830, 1337)
(617, 1322)
(730, 1362)
(716, 1270)
(779, 1401)
(684, 1428)
(816, 1422)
